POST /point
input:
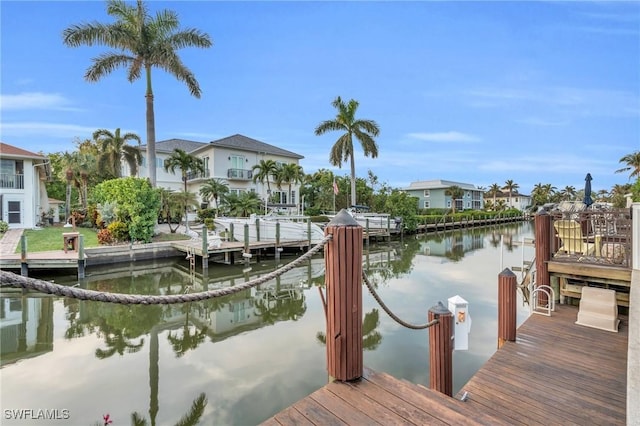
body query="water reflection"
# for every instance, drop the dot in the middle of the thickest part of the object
(240, 358)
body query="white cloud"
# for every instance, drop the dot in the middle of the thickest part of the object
(35, 100)
(451, 136)
(47, 130)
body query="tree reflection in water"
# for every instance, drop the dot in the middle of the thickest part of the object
(181, 343)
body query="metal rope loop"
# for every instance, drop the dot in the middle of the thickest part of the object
(391, 314)
(9, 279)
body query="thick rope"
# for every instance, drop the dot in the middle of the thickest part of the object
(391, 314)
(9, 279)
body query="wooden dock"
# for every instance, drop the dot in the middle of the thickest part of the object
(556, 372)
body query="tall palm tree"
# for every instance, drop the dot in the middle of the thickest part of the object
(186, 163)
(363, 130)
(243, 205)
(632, 164)
(568, 193)
(510, 186)
(291, 174)
(141, 42)
(493, 191)
(455, 192)
(214, 188)
(263, 171)
(113, 148)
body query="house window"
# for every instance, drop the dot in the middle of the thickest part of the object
(293, 197)
(427, 193)
(13, 211)
(427, 204)
(159, 163)
(516, 199)
(467, 194)
(205, 164)
(237, 162)
(468, 204)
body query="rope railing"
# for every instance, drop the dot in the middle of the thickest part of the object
(9, 279)
(376, 296)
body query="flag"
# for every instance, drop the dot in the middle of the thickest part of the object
(335, 188)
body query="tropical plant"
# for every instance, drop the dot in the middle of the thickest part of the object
(214, 189)
(510, 186)
(456, 193)
(568, 193)
(113, 148)
(343, 150)
(186, 163)
(263, 171)
(141, 42)
(137, 204)
(632, 162)
(243, 204)
(289, 174)
(493, 192)
(170, 208)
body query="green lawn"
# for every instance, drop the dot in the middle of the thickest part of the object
(50, 238)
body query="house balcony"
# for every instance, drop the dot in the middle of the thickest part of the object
(11, 181)
(200, 175)
(239, 174)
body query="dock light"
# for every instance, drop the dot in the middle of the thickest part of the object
(247, 255)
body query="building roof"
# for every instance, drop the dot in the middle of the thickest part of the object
(438, 184)
(7, 150)
(247, 144)
(171, 144)
(505, 194)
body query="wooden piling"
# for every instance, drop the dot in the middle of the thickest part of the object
(278, 249)
(441, 349)
(81, 261)
(24, 266)
(543, 247)
(343, 264)
(205, 249)
(507, 306)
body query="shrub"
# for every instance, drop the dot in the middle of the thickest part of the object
(105, 237)
(119, 231)
(204, 214)
(4, 226)
(210, 224)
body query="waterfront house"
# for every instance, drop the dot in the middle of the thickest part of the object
(229, 159)
(517, 200)
(23, 174)
(432, 194)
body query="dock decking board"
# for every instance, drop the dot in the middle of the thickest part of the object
(556, 373)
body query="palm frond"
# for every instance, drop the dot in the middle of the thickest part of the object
(105, 64)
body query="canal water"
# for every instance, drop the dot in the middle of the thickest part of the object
(239, 359)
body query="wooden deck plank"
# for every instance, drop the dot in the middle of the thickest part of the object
(348, 413)
(556, 372)
(316, 413)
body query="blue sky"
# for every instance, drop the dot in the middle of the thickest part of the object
(474, 92)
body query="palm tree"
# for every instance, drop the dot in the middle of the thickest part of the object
(214, 188)
(510, 186)
(363, 130)
(186, 163)
(290, 174)
(170, 207)
(113, 148)
(141, 42)
(568, 193)
(633, 164)
(455, 192)
(493, 191)
(243, 204)
(264, 170)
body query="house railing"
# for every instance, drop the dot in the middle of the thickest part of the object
(239, 174)
(11, 181)
(601, 237)
(198, 175)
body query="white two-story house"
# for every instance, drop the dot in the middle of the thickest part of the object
(229, 159)
(23, 196)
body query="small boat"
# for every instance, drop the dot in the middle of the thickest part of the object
(263, 228)
(374, 220)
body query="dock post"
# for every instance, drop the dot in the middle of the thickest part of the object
(543, 252)
(343, 264)
(257, 229)
(441, 350)
(507, 308)
(24, 266)
(277, 248)
(247, 251)
(81, 262)
(205, 249)
(309, 233)
(231, 236)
